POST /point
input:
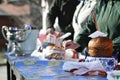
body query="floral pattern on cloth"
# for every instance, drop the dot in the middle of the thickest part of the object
(108, 63)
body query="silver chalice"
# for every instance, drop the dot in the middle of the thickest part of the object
(14, 36)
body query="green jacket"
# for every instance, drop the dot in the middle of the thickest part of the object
(1, 1)
(108, 20)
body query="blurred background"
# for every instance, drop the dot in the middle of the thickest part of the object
(16, 13)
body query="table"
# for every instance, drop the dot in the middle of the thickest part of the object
(32, 68)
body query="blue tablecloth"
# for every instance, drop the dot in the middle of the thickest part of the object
(32, 68)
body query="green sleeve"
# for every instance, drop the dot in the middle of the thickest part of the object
(1, 1)
(86, 30)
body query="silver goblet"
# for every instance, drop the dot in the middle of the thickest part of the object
(14, 36)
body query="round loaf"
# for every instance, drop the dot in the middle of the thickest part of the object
(100, 47)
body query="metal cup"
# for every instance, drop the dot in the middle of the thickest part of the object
(14, 36)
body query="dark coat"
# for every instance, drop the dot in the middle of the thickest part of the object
(64, 10)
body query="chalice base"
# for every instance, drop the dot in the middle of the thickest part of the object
(17, 53)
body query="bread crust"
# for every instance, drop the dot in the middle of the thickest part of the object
(100, 46)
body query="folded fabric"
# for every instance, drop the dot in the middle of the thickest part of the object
(38, 54)
(85, 68)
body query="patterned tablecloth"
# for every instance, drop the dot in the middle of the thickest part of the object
(31, 68)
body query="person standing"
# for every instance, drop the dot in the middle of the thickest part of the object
(107, 15)
(63, 10)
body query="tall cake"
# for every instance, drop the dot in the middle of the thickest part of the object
(100, 47)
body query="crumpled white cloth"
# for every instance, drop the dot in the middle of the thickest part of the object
(38, 54)
(97, 34)
(83, 67)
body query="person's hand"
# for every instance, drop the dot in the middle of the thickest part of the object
(50, 30)
(69, 44)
